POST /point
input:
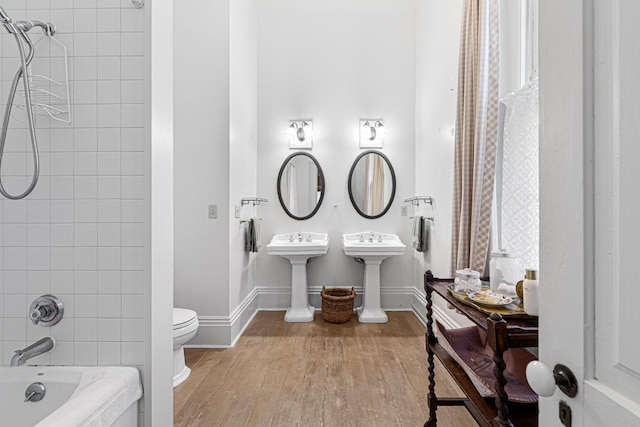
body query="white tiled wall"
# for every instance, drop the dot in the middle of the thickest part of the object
(81, 234)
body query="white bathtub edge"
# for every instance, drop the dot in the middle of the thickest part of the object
(102, 397)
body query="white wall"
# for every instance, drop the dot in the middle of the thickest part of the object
(338, 62)
(436, 88)
(158, 373)
(243, 104)
(335, 62)
(201, 156)
(215, 163)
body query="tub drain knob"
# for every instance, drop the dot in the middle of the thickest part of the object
(35, 392)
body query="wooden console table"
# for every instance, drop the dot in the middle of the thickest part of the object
(502, 334)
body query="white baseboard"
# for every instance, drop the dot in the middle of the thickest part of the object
(274, 299)
(224, 331)
(391, 299)
(440, 312)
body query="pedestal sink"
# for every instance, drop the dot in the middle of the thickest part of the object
(372, 247)
(298, 248)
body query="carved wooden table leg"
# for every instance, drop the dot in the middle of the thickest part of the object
(430, 339)
(497, 330)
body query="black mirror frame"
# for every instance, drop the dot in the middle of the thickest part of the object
(322, 182)
(393, 187)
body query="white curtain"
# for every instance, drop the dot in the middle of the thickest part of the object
(520, 196)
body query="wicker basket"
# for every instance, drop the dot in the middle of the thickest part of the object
(337, 304)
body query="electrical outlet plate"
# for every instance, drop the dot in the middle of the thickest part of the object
(403, 211)
(237, 211)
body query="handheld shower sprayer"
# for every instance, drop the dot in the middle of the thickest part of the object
(19, 30)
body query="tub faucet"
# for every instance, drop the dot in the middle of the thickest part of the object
(371, 236)
(36, 349)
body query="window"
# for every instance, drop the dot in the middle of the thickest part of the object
(516, 198)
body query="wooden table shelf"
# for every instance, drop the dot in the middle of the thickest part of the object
(502, 334)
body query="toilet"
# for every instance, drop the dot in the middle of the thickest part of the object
(185, 326)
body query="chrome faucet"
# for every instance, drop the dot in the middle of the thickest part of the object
(371, 236)
(36, 349)
(299, 236)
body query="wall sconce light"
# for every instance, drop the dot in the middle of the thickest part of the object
(372, 133)
(300, 133)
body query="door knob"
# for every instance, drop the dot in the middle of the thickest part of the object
(543, 381)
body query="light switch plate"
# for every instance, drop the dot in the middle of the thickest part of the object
(213, 211)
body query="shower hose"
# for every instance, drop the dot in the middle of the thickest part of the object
(19, 30)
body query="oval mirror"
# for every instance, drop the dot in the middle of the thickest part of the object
(372, 184)
(300, 186)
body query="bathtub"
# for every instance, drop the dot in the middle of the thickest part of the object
(75, 396)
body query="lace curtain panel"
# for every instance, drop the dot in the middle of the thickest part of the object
(520, 195)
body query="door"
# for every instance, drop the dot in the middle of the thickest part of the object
(590, 207)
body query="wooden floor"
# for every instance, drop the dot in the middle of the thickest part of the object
(315, 374)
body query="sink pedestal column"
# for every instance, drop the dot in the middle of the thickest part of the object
(300, 310)
(371, 310)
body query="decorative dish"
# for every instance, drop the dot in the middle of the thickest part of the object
(490, 299)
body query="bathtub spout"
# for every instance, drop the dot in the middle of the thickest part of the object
(36, 349)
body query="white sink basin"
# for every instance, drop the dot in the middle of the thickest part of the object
(371, 243)
(298, 248)
(299, 244)
(373, 248)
